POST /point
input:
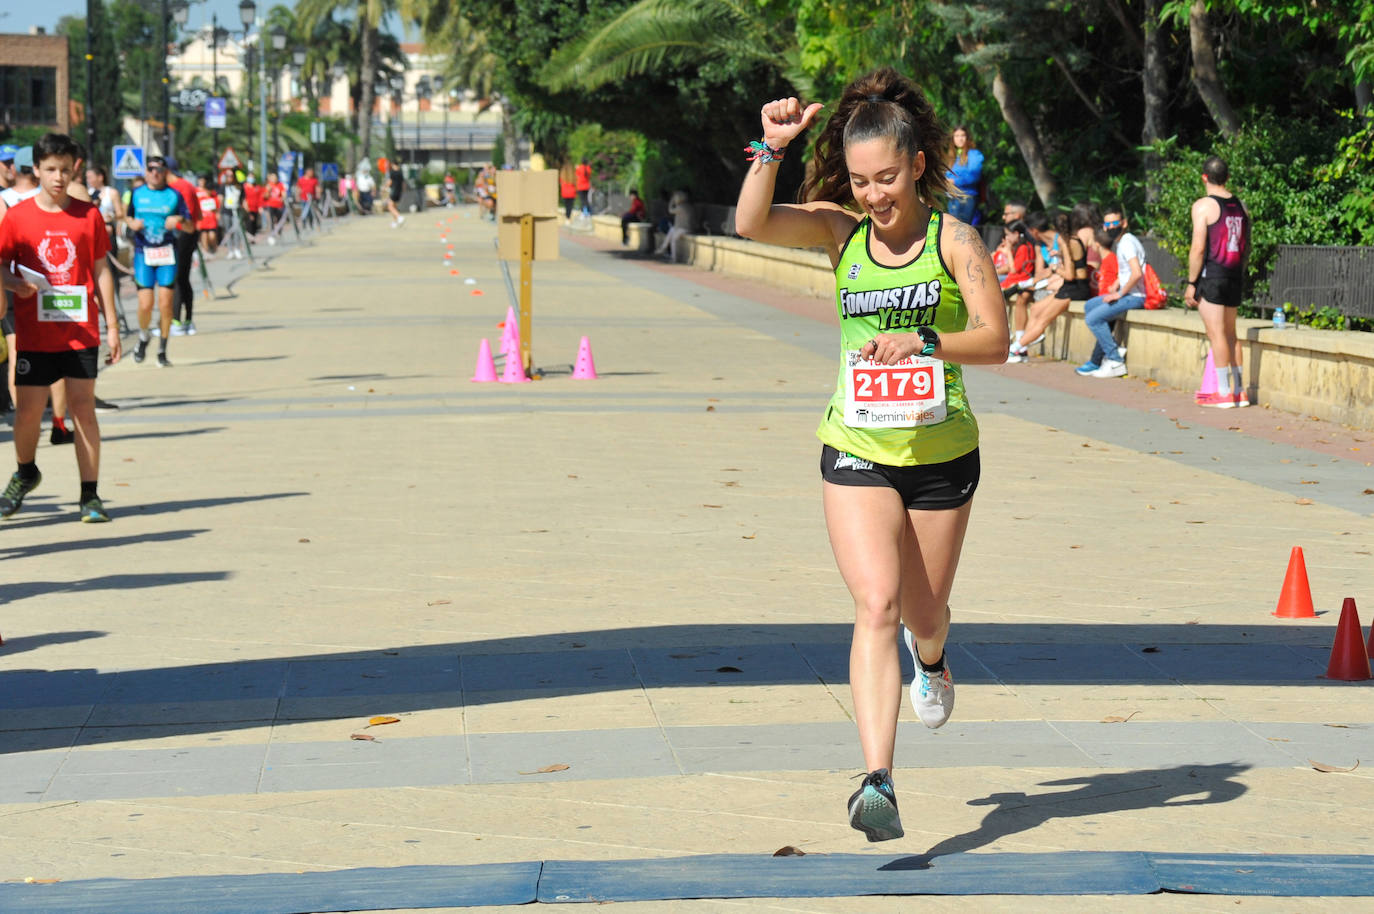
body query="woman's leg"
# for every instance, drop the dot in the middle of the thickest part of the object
(868, 527)
(930, 557)
(1042, 314)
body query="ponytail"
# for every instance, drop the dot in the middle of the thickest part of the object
(882, 104)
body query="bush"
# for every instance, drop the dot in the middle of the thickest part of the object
(1275, 167)
(610, 153)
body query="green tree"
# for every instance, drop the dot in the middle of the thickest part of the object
(367, 17)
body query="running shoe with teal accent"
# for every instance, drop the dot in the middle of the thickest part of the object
(14, 493)
(93, 511)
(932, 693)
(873, 808)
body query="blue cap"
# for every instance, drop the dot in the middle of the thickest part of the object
(172, 164)
(8, 152)
(24, 157)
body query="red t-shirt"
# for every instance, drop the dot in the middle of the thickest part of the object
(584, 177)
(62, 246)
(252, 197)
(209, 209)
(566, 190)
(307, 187)
(276, 193)
(188, 193)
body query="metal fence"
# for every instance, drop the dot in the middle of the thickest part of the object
(1320, 276)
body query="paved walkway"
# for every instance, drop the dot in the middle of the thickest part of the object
(318, 520)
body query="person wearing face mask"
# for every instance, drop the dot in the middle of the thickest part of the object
(1099, 311)
(917, 299)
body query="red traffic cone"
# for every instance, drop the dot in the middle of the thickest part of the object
(1349, 662)
(1295, 600)
(486, 366)
(585, 369)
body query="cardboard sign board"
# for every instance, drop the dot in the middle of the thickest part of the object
(545, 238)
(527, 192)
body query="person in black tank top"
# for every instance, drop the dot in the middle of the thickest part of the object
(1077, 284)
(1216, 270)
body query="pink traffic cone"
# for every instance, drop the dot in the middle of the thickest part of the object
(514, 372)
(1209, 378)
(510, 333)
(585, 369)
(486, 366)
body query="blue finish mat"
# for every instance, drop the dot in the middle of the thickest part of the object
(368, 889)
(1286, 875)
(706, 876)
(819, 876)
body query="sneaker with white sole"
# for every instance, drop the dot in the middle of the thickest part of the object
(932, 693)
(1016, 354)
(1110, 368)
(873, 808)
(189, 327)
(1217, 400)
(1087, 368)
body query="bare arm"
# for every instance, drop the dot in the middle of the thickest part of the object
(798, 226)
(1198, 249)
(104, 286)
(1065, 268)
(984, 341)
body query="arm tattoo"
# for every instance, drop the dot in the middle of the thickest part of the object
(967, 234)
(978, 322)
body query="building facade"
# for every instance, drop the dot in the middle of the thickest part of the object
(34, 86)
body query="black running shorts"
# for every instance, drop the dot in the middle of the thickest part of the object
(931, 487)
(39, 369)
(1220, 289)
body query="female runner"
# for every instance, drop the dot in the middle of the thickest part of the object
(918, 298)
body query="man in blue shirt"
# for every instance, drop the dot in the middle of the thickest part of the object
(155, 212)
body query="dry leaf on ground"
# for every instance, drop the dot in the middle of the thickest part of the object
(789, 851)
(1322, 766)
(548, 769)
(363, 736)
(1116, 719)
(378, 721)
(1303, 501)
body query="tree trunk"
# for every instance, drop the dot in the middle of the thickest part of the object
(1205, 76)
(509, 139)
(1154, 81)
(1022, 128)
(1364, 98)
(367, 75)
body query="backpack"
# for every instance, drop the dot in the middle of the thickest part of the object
(1156, 298)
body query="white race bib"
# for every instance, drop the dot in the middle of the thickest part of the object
(209, 205)
(62, 303)
(164, 255)
(904, 395)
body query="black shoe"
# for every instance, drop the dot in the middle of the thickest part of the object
(14, 493)
(105, 406)
(141, 351)
(93, 511)
(62, 436)
(163, 361)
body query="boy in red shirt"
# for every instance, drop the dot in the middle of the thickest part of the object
(53, 249)
(252, 203)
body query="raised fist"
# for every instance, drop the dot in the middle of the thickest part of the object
(784, 118)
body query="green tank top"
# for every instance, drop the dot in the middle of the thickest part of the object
(874, 299)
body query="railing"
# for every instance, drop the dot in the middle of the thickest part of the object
(1320, 276)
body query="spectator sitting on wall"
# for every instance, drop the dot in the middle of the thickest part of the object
(636, 213)
(1016, 284)
(1075, 238)
(1101, 310)
(684, 215)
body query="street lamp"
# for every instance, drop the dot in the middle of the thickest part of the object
(278, 44)
(398, 84)
(177, 13)
(248, 15)
(422, 91)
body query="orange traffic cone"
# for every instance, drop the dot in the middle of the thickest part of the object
(1349, 662)
(1295, 600)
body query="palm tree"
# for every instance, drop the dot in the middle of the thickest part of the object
(367, 24)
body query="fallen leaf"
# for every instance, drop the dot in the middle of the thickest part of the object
(548, 769)
(711, 506)
(378, 721)
(1309, 482)
(1332, 769)
(1114, 719)
(1149, 650)
(730, 483)
(363, 736)
(1195, 521)
(1338, 726)
(1085, 444)
(710, 409)
(1075, 547)
(438, 602)
(712, 399)
(1368, 492)
(572, 475)
(1303, 501)
(1279, 739)
(1175, 501)
(121, 484)
(749, 537)
(303, 540)
(1149, 507)
(1284, 460)
(789, 851)
(728, 669)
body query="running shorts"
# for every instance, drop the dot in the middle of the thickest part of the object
(145, 277)
(39, 369)
(1220, 288)
(930, 487)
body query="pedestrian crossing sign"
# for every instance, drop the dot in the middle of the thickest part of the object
(128, 162)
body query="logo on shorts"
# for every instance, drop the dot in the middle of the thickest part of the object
(21, 366)
(854, 271)
(850, 462)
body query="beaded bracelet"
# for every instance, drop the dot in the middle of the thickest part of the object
(762, 152)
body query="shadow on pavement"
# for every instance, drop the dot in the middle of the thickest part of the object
(1097, 794)
(31, 550)
(425, 677)
(59, 514)
(181, 434)
(12, 592)
(32, 642)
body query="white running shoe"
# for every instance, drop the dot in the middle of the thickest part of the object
(932, 694)
(1110, 369)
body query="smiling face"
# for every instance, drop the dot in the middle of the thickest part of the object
(960, 139)
(883, 181)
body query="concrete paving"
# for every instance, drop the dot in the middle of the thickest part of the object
(626, 582)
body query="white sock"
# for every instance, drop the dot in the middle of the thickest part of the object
(1016, 337)
(1222, 375)
(143, 335)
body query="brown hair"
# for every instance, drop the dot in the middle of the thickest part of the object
(962, 155)
(881, 104)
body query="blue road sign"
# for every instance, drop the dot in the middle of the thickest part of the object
(216, 113)
(329, 171)
(286, 164)
(128, 162)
